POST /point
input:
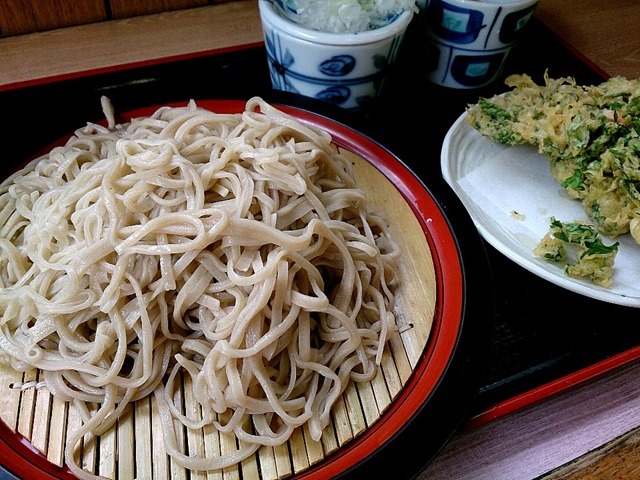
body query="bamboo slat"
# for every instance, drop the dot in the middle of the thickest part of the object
(380, 393)
(27, 400)
(126, 445)
(341, 422)
(106, 462)
(160, 459)
(177, 471)
(41, 417)
(133, 448)
(74, 422)
(368, 402)
(283, 466)
(212, 449)
(315, 452)
(88, 451)
(249, 466)
(329, 439)
(267, 462)
(10, 398)
(299, 458)
(59, 421)
(143, 438)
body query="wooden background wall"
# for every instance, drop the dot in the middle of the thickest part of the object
(19, 17)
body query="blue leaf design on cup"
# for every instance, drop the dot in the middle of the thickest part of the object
(338, 65)
(279, 58)
(337, 94)
(380, 61)
(286, 6)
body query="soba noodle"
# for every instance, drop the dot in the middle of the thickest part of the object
(235, 250)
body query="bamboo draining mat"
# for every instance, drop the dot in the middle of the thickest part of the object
(133, 448)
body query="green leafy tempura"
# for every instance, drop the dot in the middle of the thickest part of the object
(579, 247)
(590, 134)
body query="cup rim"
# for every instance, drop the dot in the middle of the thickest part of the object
(511, 3)
(270, 15)
(494, 4)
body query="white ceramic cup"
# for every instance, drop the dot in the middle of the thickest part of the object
(467, 42)
(347, 69)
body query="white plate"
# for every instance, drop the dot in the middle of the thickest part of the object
(493, 181)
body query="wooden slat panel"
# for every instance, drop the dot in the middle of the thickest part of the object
(28, 16)
(132, 8)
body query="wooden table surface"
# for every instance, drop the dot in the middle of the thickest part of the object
(589, 432)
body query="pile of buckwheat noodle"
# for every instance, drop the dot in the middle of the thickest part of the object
(234, 249)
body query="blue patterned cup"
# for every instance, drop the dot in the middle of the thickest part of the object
(468, 41)
(347, 69)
